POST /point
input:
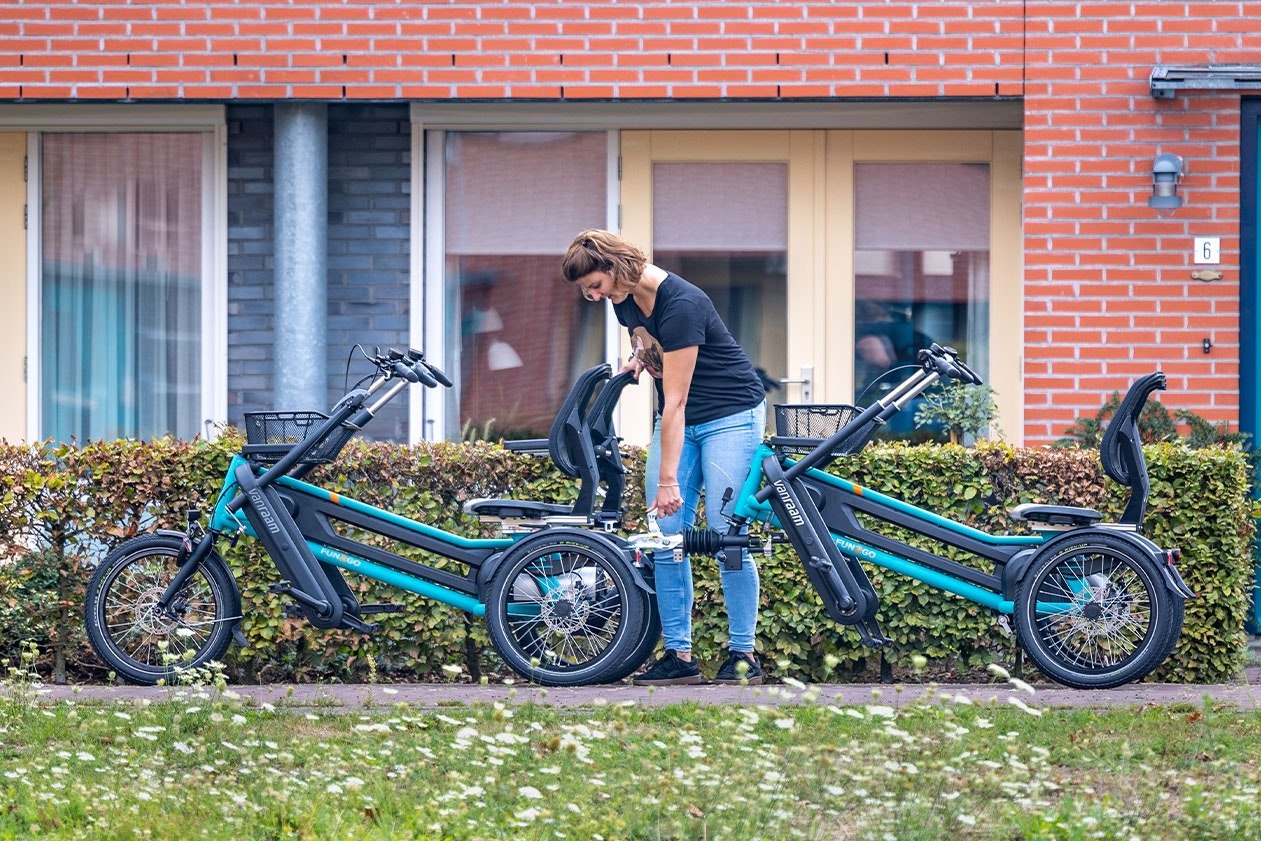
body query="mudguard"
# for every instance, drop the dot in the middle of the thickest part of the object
(1015, 570)
(609, 543)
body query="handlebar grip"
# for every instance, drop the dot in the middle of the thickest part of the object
(405, 371)
(438, 375)
(431, 371)
(423, 375)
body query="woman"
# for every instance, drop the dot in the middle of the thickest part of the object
(711, 410)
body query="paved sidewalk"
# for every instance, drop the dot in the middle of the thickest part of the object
(1245, 694)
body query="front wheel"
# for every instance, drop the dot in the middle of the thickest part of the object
(140, 641)
(1096, 614)
(565, 612)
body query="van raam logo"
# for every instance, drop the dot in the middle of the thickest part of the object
(269, 521)
(790, 505)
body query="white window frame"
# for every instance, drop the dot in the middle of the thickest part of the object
(433, 119)
(208, 120)
(427, 407)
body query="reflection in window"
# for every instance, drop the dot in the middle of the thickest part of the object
(724, 227)
(514, 202)
(121, 252)
(921, 271)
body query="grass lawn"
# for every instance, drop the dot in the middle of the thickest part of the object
(203, 766)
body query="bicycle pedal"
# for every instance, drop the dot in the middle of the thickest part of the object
(294, 611)
(366, 609)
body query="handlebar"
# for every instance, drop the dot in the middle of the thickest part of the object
(427, 370)
(946, 362)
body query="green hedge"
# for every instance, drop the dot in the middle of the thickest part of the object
(62, 507)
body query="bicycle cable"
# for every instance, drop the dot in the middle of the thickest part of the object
(859, 400)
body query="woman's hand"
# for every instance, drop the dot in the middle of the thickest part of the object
(668, 500)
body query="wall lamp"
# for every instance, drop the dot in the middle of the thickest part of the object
(1166, 173)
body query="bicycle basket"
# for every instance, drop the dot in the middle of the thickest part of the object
(269, 437)
(801, 428)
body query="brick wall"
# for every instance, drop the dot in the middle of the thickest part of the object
(1108, 288)
(251, 307)
(369, 172)
(1107, 281)
(599, 49)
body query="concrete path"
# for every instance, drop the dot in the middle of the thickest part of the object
(1245, 694)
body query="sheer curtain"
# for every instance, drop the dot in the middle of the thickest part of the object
(121, 245)
(922, 266)
(514, 202)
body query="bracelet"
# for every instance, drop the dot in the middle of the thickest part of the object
(667, 484)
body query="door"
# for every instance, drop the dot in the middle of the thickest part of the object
(13, 286)
(813, 242)
(735, 214)
(1249, 308)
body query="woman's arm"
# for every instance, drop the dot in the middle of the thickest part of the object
(676, 381)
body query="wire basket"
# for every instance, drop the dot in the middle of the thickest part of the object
(269, 437)
(801, 428)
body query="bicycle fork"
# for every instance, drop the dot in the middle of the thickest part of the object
(839, 579)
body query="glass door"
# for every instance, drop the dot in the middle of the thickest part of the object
(718, 209)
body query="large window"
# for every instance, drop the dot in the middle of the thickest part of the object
(921, 270)
(121, 265)
(724, 227)
(518, 335)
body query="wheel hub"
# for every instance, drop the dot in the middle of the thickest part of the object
(152, 618)
(566, 614)
(1100, 611)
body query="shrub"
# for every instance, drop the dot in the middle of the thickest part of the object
(62, 507)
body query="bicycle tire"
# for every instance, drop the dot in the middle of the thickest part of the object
(649, 637)
(1106, 616)
(565, 612)
(137, 642)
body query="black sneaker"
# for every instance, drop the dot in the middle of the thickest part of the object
(741, 668)
(670, 670)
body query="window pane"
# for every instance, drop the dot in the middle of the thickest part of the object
(514, 202)
(724, 227)
(921, 272)
(121, 246)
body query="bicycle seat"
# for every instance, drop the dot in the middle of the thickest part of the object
(1121, 450)
(582, 444)
(1055, 516)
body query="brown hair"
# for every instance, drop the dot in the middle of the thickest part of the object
(603, 251)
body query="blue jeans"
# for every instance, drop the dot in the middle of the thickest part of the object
(715, 456)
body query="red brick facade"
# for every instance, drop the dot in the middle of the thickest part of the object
(1107, 284)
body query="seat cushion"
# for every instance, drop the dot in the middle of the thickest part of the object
(515, 509)
(1055, 515)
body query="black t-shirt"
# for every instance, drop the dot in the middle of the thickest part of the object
(724, 381)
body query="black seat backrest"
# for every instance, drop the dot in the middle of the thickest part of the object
(1121, 450)
(604, 439)
(567, 444)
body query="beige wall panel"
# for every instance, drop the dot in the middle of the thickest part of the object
(12, 287)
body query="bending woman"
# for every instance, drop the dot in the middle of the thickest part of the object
(711, 411)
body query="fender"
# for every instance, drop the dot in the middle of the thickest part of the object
(611, 544)
(1015, 570)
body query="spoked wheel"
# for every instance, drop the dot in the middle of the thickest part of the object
(146, 644)
(565, 612)
(1097, 614)
(642, 650)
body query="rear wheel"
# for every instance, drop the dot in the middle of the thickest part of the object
(565, 612)
(1097, 614)
(642, 650)
(140, 641)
